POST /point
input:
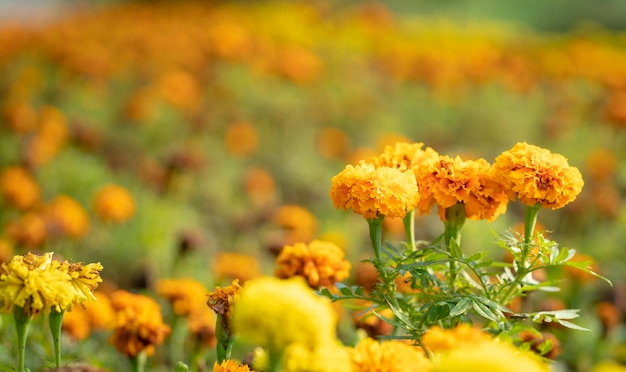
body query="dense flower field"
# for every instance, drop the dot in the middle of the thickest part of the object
(283, 186)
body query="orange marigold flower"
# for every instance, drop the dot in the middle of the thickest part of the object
(320, 263)
(298, 222)
(6, 251)
(221, 299)
(100, 311)
(537, 176)
(76, 323)
(19, 188)
(299, 64)
(29, 231)
(438, 340)
(388, 356)
(114, 203)
(232, 265)
(404, 155)
(449, 181)
(138, 324)
(260, 187)
(68, 216)
(332, 143)
(180, 89)
(601, 164)
(242, 139)
(231, 366)
(371, 191)
(201, 324)
(49, 138)
(186, 294)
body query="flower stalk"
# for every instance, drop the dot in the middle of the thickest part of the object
(376, 235)
(224, 338)
(455, 219)
(138, 361)
(55, 321)
(409, 229)
(22, 323)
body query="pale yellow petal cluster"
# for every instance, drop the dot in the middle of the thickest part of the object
(537, 176)
(320, 263)
(373, 191)
(370, 355)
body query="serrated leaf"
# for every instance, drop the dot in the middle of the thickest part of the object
(359, 291)
(461, 307)
(326, 293)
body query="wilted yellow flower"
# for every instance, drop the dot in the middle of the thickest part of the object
(388, 356)
(241, 139)
(84, 279)
(114, 203)
(536, 176)
(19, 188)
(221, 300)
(488, 356)
(186, 294)
(67, 215)
(35, 284)
(274, 313)
(230, 366)
(320, 263)
(232, 265)
(437, 340)
(371, 191)
(298, 222)
(450, 181)
(139, 324)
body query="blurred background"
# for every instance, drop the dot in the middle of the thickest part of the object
(178, 138)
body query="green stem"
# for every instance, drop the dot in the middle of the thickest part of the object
(22, 323)
(138, 362)
(55, 320)
(409, 229)
(224, 339)
(274, 361)
(376, 235)
(455, 218)
(530, 220)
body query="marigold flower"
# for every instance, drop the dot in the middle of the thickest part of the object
(201, 324)
(260, 187)
(19, 188)
(488, 356)
(49, 137)
(232, 265)
(76, 323)
(536, 176)
(299, 64)
(67, 215)
(387, 356)
(320, 263)
(449, 181)
(404, 155)
(29, 231)
(332, 143)
(138, 324)
(601, 164)
(100, 311)
(371, 191)
(34, 283)
(275, 313)
(6, 251)
(437, 340)
(114, 203)
(84, 279)
(180, 89)
(186, 294)
(231, 366)
(298, 222)
(242, 139)
(328, 357)
(221, 300)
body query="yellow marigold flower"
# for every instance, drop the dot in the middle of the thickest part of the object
(242, 139)
(114, 203)
(232, 265)
(320, 263)
(67, 215)
(84, 279)
(138, 324)
(201, 324)
(437, 340)
(298, 222)
(76, 323)
(488, 356)
(186, 294)
(450, 181)
(34, 283)
(19, 188)
(100, 311)
(221, 300)
(275, 313)
(537, 176)
(230, 366)
(388, 356)
(371, 191)
(328, 357)
(608, 366)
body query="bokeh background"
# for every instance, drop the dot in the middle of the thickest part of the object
(177, 138)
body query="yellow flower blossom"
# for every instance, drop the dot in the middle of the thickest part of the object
(139, 324)
(19, 188)
(230, 366)
(438, 340)
(186, 294)
(404, 155)
(320, 263)
(274, 313)
(328, 357)
(537, 176)
(371, 191)
(370, 355)
(84, 279)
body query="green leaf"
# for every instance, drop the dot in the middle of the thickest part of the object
(438, 311)
(585, 266)
(461, 307)
(484, 311)
(545, 347)
(571, 325)
(326, 293)
(400, 315)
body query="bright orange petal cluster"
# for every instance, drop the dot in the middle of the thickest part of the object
(230, 366)
(320, 263)
(404, 155)
(537, 176)
(371, 191)
(187, 295)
